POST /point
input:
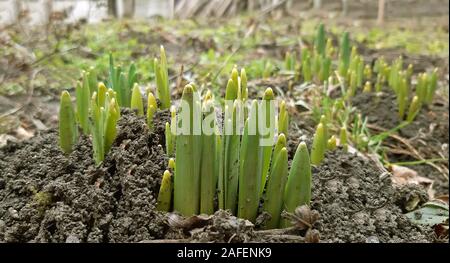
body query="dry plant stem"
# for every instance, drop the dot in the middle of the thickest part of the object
(413, 152)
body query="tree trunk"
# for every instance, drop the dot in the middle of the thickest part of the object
(112, 9)
(344, 7)
(128, 8)
(317, 4)
(381, 6)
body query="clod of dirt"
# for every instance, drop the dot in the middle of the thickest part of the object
(224, 228)
(410, 196)
(49, 197)
(356, 204)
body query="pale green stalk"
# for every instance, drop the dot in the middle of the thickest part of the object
(276, 183)
(319, 42)
(207, 169)
(186, 180)
(68, 131)
(344, 54)
(151, 109)
(298, 186)
(249, 172)
(231, 160)
(268, 135)
(432, 85)
(82, 101)
(165, 193)
(318, 148)
(414, 108)
(136, 100)
(283, 119)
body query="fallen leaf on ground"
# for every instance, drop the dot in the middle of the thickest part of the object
(23, 134)
(403, 175)
(188, 223)
(303, 217)
(431, 213)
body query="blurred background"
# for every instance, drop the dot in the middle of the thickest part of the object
(45, 44)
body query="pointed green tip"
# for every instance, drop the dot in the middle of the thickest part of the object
(167, 126)
(136, 88)
(243, 73)
(319, 127)
(151, 100)
(188, 89)
(303, 146)
(171, 164)
(101, 85)
(234, 73)
(166, 175)
(231, 90)
(208, 95)
(283, 151)
(268, 94)
(65, 95)
(194, 87)
(282, 138)
(323, 119)
(112, 104)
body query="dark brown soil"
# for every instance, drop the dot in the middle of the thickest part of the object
(428, 134)
(48, 197)
(356, 202)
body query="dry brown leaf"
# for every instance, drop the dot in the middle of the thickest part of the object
(23, 134)
(303, 217)
(187, 223)
(403, 175)
(443, 198)
(312, 236)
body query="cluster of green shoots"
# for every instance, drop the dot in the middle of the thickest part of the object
(315, 64)
(400, 81)
(354, 75)
(224, 159)
(233, 167)
(98, 105)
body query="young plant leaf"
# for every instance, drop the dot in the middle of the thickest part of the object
(68, 131)
(165, 193)
(276, 183)
(318, 148)
(136, 100)
(249, 172)
(298, 186)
